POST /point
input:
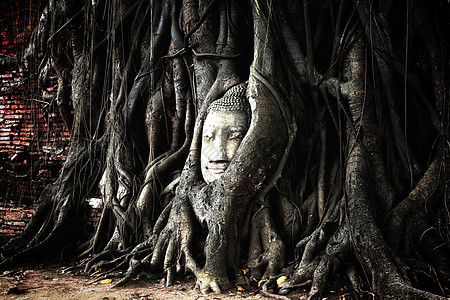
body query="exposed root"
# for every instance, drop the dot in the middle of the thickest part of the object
(174, 240)
(265, 290)
(93, 264)
(135, 267)
(352, 276)
(37, 225)
(57, 229)
(266, 249)
(316, 265)
(394, 226)
(207, 282)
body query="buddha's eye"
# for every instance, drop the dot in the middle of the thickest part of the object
(236, 135)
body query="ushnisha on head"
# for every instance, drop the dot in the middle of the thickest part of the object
(225, 126)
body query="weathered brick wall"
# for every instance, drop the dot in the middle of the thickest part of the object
(14, 218)
(33, 139)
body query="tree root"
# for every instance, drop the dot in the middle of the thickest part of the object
(174, 240)
(266, 249)
(417, 198)
(265, 290)
(316, 265)
(51, 231)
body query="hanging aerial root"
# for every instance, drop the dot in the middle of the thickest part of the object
(100, 237)
(58, 220)
(168, 162)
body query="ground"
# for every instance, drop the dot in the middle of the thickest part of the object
(49, 282)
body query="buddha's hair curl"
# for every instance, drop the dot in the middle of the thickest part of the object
(234, 99)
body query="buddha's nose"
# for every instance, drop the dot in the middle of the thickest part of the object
(219, 149)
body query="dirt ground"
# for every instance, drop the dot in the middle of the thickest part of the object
(49, 282)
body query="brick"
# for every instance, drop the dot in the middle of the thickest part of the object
(23, 124)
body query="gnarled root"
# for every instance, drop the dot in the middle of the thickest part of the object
(266, 249)
(54, 226)
(174, 240)
(322, 255)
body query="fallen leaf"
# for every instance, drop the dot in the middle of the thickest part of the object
(281, 279)
(106, 281)
(240, 288)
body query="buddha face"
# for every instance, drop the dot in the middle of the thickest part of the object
(223, 132)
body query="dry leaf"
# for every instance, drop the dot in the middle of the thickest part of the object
(281, 279)
(106, 281)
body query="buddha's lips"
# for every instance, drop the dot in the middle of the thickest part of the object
(217, 168)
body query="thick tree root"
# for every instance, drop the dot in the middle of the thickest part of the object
(322, 255)
(50, 232)
(266, 249)
(265, 290)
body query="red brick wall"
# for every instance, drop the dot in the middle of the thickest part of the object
(14, 218)
(33, 138)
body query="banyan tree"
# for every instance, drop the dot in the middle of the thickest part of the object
(245, 140)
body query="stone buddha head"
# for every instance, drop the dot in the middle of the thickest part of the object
(225, 126)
